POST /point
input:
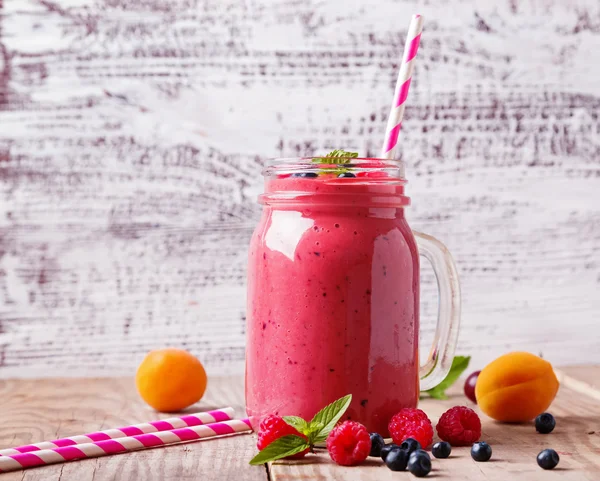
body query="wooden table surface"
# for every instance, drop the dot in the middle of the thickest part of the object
(37, 410)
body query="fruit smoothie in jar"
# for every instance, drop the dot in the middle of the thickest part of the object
(333, 294)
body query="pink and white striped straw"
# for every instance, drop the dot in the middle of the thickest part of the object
(196, 419)
(402, 85)
(114, 446)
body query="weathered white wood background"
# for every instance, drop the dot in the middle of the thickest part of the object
(132, 135)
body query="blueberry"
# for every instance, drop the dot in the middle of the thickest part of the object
(346, 174)
(386, 449)
(397, 459)
(305, 174)
(441, 450)
(377, 443)
(548, 459)
(545, 423)
(410, 445)
(419, 463)
(481, 451)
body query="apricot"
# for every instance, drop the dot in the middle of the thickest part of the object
(170, 379)
(516, 387)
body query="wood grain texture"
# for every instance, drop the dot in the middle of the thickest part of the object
(132, 135)
(576, 438)
(37, 410)
(583, 379)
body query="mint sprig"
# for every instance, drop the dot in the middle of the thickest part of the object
(280, 448)
(316, 431)
(328, 417)
(338, 157)
(459, 364)
(297, 422)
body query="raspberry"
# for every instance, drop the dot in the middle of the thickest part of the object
(411, 423)
(274, 427)
(349, 443)
(460, 426)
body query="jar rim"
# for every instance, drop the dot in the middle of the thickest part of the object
(394, 168)
(310, 158)
(360, 181)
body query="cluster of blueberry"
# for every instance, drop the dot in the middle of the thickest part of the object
(410, 454)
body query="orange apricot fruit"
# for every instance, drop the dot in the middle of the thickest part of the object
(170, 379)
(516, 387)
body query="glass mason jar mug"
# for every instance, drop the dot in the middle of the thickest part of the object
(333, 294)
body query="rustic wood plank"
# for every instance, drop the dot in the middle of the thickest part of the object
(515, 447)
(583, 379)
(34, 410)
(132, 135)
(37, 410)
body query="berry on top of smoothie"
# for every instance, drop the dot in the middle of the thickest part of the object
(305, 175)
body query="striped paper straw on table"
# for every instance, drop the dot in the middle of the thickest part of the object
(122, 445)
(196, 419)
(402, 85)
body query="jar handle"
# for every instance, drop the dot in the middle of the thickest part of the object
(440, 358)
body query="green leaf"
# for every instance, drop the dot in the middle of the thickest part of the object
(280, 448)
(459, 364)
(297, 422)
(337, 157)
(313, 429)
(328, 417)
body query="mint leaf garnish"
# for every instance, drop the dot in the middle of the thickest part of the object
(312, 430)
(459, 364)
(328, 417)
(316, 431)
(297, 422)
(337, 157)
(280, 448)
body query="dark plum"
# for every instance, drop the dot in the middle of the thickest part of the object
(470, 386)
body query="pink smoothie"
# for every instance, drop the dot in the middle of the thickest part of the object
(333, 301)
